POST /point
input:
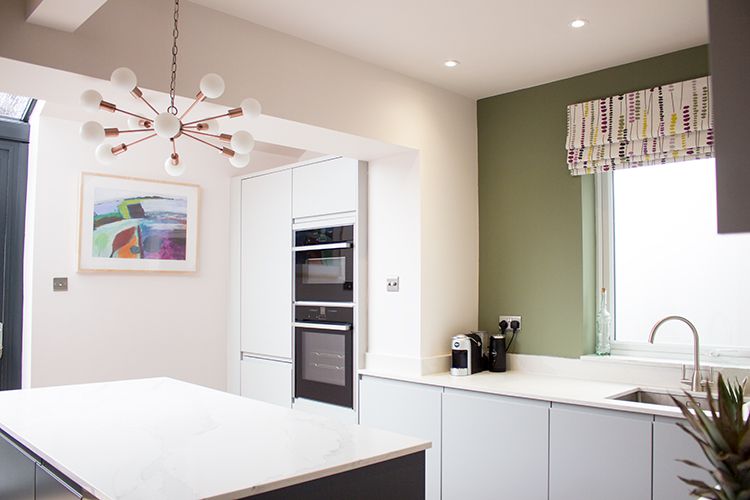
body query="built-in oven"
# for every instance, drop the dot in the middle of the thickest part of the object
(324, 354)
(324, 264)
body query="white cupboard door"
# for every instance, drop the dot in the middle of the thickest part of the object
(266, 265)
(494, 447)
(405, 408)
(596, 453)
(328, 187)
(266, 380)
(671, 444)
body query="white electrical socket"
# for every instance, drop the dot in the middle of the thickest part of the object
(392, 284)
(509, 319)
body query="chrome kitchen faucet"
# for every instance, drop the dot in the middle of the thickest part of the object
(697, 382)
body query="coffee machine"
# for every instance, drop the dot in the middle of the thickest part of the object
(466, 354)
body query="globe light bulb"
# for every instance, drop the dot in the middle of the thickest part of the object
(250, 107)
(242, 142)
(124, 79)
(167, 125)
(239, 160)
(92, 132)
(172, 169)
(90, 100)
(212, 85)
(104, 153)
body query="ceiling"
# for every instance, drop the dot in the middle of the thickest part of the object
(502, 45)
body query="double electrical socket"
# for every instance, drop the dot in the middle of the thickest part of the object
(509, 319)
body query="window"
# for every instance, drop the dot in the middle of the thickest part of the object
(660, 254)
(14, 107)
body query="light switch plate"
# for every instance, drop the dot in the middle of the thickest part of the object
(392, 284)
(59, 284)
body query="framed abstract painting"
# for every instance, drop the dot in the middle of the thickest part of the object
(137, 225)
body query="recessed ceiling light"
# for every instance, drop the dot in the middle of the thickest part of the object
(451, 63)
(578, 23)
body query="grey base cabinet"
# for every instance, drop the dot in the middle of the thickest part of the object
(671, 444)
(596, 453)
(494, 447)
(410, 409)
(24, 477)
(16, 472)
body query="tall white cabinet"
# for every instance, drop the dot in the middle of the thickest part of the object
(272, 205)
(326, 188)
(266, 288)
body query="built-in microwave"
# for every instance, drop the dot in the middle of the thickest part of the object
(324, 264)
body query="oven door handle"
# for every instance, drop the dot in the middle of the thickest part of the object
(324, 246)
(323, 326)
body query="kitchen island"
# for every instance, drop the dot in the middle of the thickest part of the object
(165, 439)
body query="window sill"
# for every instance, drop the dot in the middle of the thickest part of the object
(706, 362)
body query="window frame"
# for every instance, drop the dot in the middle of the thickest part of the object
(605, 278)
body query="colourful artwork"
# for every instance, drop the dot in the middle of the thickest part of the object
(134, 225)
(139, 226)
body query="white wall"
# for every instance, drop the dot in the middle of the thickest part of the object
(111, 326)
(393, 251)
(308, 84)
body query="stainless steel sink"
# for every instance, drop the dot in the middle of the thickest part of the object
(660, 397)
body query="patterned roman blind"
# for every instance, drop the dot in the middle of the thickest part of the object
(663, 124)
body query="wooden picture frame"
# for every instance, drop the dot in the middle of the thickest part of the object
(129, 224)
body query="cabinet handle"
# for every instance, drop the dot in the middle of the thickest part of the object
(324, 246)
(323, 326)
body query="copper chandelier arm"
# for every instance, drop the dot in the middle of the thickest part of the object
(140, 140)
(148, 104)
(199, 97)
(135, 130)
(232, 113)
(133, 114)
(221, 137)
(201, 140)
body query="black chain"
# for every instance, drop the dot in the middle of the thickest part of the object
(175, 33)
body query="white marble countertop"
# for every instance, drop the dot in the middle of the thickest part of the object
(541, 387)
(165, 439)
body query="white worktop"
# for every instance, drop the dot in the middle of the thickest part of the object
(161, 438)
(543, 387)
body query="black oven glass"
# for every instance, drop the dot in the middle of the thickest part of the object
(324, 264)
(323, 355)
(323, 368)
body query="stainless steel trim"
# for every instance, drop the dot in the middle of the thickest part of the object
(61, 481)
(323, 326)
(265, 357)
(323, 304)
(324, 246)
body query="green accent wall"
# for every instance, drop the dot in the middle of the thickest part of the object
(536, 222)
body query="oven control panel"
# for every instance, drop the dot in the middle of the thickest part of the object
(324, 314)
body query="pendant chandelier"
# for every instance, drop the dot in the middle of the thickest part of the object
(168, 125)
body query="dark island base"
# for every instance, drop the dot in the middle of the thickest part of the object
(397, 479)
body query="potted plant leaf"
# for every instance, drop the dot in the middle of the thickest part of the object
(723, 433)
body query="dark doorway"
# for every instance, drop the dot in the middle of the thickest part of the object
(14, 152)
